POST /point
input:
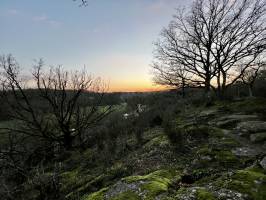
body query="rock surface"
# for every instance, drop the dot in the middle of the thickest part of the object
(258, 137)
(252, 126)
(245, 151)
(263, 163)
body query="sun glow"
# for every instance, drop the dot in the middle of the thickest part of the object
(134, 86)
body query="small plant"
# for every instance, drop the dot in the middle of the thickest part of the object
(174, 134)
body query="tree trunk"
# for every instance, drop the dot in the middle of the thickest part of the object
(183, 88)
(208, 91)
(218, 91)
(67, 141)
(222, 88)
(207, 84)
(250, 90)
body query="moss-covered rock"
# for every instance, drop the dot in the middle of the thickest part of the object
(195, 193)
(258, 137)
(158, 141)
(128, 195)
(80, 184)
(146, 187)
(229, 142)
(155, 183)
(71, 179)
(249, 182)
(203, 194)
(248, 106)
(96, 195)
(223, 157)
(251, 126)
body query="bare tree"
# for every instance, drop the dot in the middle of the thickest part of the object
(240, 38)
(185, 43)
(250, 75)
(173, 76)
(71, 101)
(213, 38)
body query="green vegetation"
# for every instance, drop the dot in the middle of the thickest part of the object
(96, 196)
(64, 137)
(158, 167)
(154, 183)
(203, 194)
(127, 195)
(249, 182)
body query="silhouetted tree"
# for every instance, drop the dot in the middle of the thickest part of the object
(174, 76)
(72, 101)
(212, 39)
(250, 75)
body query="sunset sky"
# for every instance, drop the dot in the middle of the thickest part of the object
(112, 38)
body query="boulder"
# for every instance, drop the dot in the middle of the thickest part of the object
(251, 126)
(230, 194)
(232, 120)
(263, 163)
(258, 137)
(245, 151)
(226, 123)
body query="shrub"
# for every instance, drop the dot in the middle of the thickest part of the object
(174, 134)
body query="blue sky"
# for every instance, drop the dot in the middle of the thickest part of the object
(112, 38)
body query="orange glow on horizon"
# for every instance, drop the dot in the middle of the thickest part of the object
(134, 87)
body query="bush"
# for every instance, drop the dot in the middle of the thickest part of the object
(174, 134)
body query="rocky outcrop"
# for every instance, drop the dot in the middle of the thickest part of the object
(258, 137)
(245, 151)
(251, 127)
(263, 163)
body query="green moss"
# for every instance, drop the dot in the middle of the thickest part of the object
(217, 132)
(249, 181)
(180, 192)
(179, 121)
(119, 170)
(198, 131)
(128, 195)
(252, 105)
(204, 150)
(155, 183)
(157, 141)
(229, 142)
(203, 194)
(198, 193)
(154, 188)
(160, 174)
(258, 137)
(87, 184)
(71, 179)
(96, 195)
(225, 157)
(257, 169)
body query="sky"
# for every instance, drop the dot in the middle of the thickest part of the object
(113, 39)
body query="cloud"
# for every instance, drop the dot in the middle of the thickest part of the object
(157, 6)
(44, 19)
(91, 31)
(162, 6)
(12, 12)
